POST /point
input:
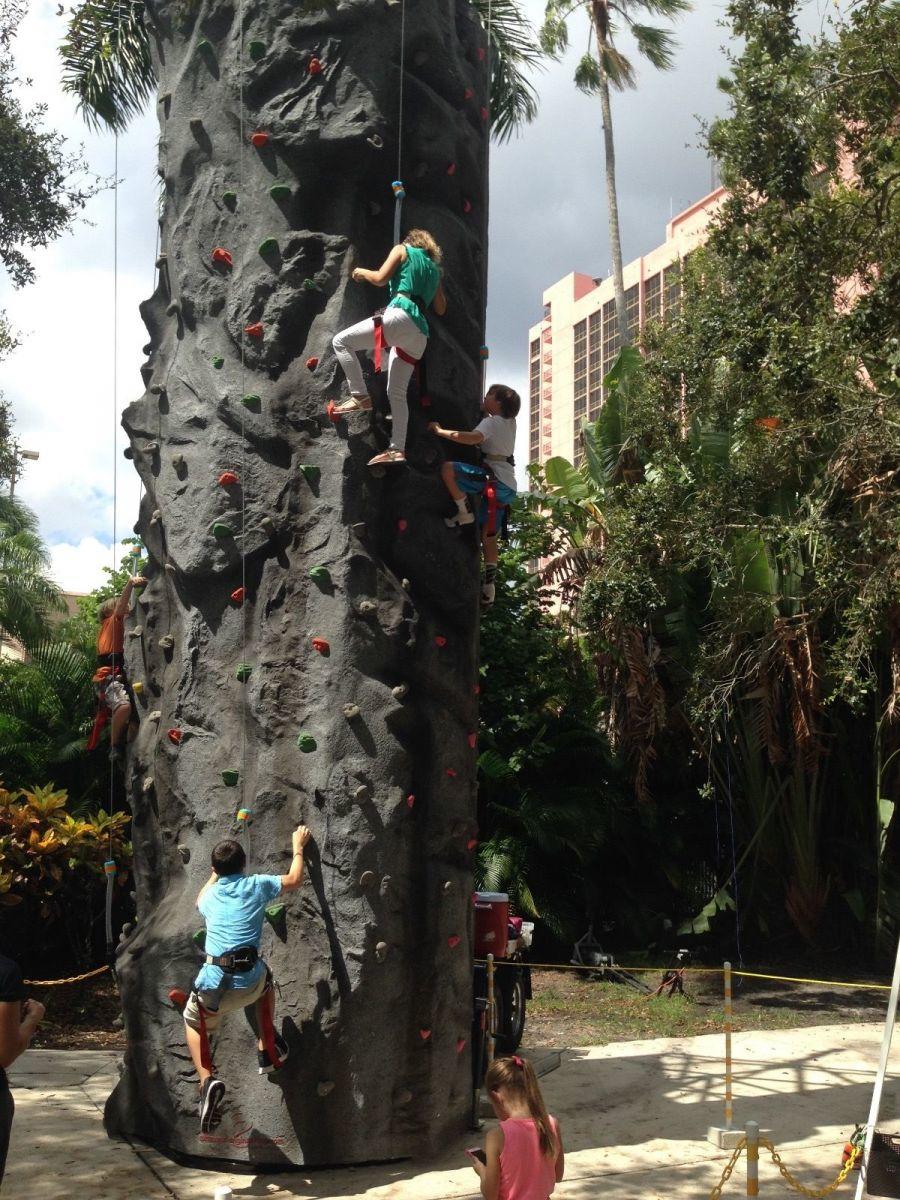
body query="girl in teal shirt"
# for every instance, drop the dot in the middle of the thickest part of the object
(413, 277)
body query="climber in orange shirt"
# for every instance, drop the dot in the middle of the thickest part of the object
(113, 694)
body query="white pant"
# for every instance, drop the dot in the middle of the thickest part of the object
(399, 330)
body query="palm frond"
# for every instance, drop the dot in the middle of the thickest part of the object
(617, 68)
(656, 45)
(514, 51)
(106, 62)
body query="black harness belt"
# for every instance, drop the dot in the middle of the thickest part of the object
(244, 958)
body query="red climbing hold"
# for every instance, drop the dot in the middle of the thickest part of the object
(402, 525)
(469, 93)
(255, 330)
(472, 739)
(228, 479)
(471, 843)
(460, 1045)
(476, 688)
(333, 415)
(222, 257)
(410, 800)
(311, 363)
(481, 53)
(315, 67)
(424, 1034)
(453, 941)
(440, 640)
(175, 736)
(178, 997)
(467, 206)
(450, 773)
(238, 595)
(484, 113)
(321, 645)
(451, 168)
(259, 139)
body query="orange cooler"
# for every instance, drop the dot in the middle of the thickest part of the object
(491, 924)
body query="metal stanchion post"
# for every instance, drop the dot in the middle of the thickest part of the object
(491, 1010)
(729, 1102)
(752, 1132)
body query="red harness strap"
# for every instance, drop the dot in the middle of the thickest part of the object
(267, 1001)
(418, 363)
(490, 494)
(205, 1051)
(99, 725)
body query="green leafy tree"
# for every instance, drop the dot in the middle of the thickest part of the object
(27, 595)
(604, 68)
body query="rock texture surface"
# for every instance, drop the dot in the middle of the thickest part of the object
(239, 708)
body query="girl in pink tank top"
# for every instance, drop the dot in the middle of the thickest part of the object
(523, 1158)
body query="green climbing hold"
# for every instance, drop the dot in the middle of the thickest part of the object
(218, 362)
(230, 778)
(203, 46)
(306, 742)
(280, 191)
(254, 403)
(269, 246)
(309, 285)
(256, 50)
(199, 938)
(242, 672)
(320, 575)
(221, 530)
(229, 198)
(311, 474)
(274, 912)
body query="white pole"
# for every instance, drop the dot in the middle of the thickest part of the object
(879, 1078)
(492, 1015)
(223, 1193)
(752, 1132)
(729, 1101)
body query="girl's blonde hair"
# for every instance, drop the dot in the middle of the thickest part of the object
(516, 1077)
(107, 608)
(423, 239)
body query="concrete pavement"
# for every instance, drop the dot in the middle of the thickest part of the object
(634, 1117)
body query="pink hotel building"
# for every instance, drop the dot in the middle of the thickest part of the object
(574, 345)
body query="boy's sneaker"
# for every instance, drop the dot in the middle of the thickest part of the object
(488, 593)
(212, 1093)
(460, 517)
(282, 1049)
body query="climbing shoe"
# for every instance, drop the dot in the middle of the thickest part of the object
(117, 756)
(488, 593)
(212, 1093)
(462, 516)
(282, 1049)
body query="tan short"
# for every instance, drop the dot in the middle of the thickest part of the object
(115, 695)
(229, 1000)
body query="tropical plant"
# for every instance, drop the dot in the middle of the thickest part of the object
(603, 67)
(108, 68)
(51, 873)
(27, 595)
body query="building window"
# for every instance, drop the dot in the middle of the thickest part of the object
(534, 398)
(653, 298)
(595, 366)
(633, 309)
(580, 373)
(610, 334)
(672, 286)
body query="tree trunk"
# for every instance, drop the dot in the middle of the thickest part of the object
(373, 955)
(612, 202)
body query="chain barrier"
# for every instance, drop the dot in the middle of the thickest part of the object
(739, 1149)
(815, 1193)
(71, 978)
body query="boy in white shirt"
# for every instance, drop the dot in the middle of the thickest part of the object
(494, 481)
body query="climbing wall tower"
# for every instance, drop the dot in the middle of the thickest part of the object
(307, 642)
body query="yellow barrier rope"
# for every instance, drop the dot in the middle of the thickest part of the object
(871, 987)
(71, 979)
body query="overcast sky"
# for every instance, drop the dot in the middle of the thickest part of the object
(548, 217)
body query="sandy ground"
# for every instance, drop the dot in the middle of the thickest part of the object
(634, 1118)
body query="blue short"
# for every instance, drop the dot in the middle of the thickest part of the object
(471, 480)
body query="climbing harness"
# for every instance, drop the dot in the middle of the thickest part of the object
(244, 958)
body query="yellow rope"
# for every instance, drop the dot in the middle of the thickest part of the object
(71, 979)
(872, 987)
(838, 983)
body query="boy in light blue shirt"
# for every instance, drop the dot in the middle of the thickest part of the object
(233, 975)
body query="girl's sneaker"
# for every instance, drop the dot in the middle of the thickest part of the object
(488, 593)
(212, 1093)
(282, 1049)
(460, 517)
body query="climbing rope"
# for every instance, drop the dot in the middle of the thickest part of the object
(397, 185)
(71, 978)
(242, 246)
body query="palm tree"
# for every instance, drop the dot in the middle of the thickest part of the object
(27, 596)
(107, 64)
(604, 66)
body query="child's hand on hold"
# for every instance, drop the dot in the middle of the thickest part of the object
(434, 427)
(138, 581)
(33, 1011)
(360, 275)
(299, 838)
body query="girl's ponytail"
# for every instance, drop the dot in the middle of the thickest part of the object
(517, 1075)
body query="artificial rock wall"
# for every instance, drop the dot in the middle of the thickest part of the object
(239, 707)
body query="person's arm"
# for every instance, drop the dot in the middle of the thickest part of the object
(560, 1156)
(294, 877)
(380, 277)
(122, 603)
(489, 1171)
(18, 1023)
(462, 437)
(212, 879)
(439, 304)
